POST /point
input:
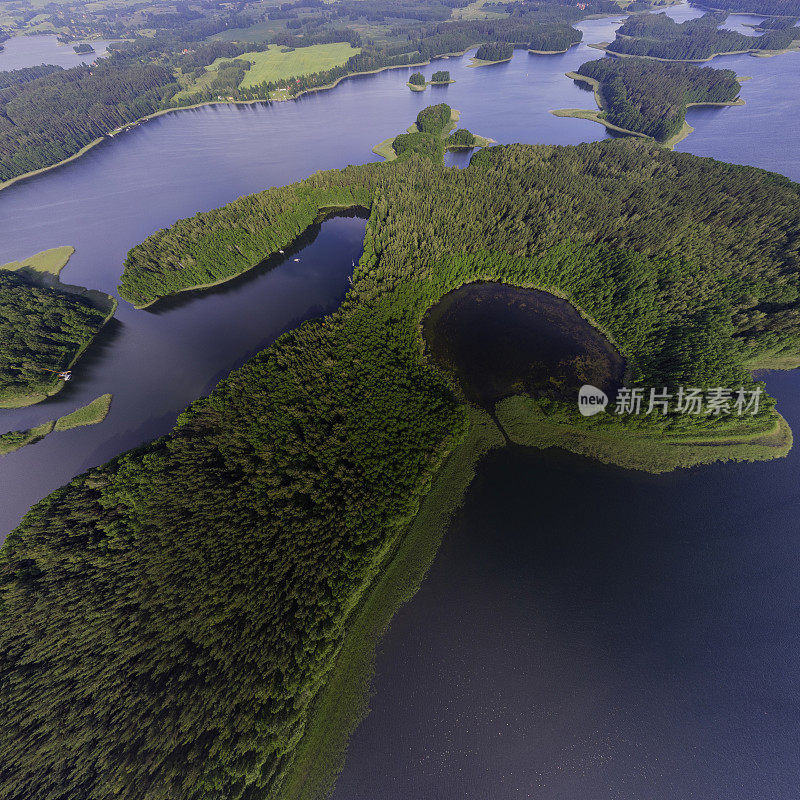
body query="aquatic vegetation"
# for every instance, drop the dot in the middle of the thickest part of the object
(169, 618)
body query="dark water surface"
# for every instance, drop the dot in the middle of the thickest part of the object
(585, 632)
(588, 632)
(501, 340)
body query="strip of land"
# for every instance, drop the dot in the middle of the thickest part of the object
(91, 414)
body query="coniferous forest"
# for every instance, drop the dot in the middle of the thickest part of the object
(658, 36)
(168, 618)
(651, 97)
(41, 331)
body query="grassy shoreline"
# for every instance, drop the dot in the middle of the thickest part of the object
(343, 701)
(479, 62)
(91, 414)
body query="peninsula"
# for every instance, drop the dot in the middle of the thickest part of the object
(641, 97)
(45, 326)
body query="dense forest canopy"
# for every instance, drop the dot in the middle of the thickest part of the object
(650, 97)
(659, 36)
(495, 51)
(48, 119)
(168, 618)
(41, 331)
(461, 138)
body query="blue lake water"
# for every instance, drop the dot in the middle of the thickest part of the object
(28, 51)
(585, 632)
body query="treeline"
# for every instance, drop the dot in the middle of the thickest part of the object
(434, 119)
(776, 24)
(48, 119)
(777, 8)
(650, 97)
(204, 249)
(14, 77)
(658, 36)
(423, 45)
(554, 38)
(41, 331)
(167, 619)
(520, 31)
(495, 51)
(441, 76)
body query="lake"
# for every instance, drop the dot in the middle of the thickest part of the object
(585, 631)
(28, 51)
(501, 340)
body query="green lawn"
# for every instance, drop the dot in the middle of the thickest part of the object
(273, 64)
(51, 261)
(89, 414)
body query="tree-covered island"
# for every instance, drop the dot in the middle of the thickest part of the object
(173, 620)
(650, 98)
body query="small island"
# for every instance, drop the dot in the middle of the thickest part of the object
(494, 53)
(417, 82)
(45, 326)
(431, 136)
(83, 48)
(91, 414)
(641, 97)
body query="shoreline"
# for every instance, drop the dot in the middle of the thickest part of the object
(385, 150)
(342, 701)
(141, 120)
(594, 116)
(479, 62)
(555, 52)
(325, 213)
(52, 280)
(753, 52)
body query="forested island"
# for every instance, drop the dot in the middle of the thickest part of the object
(417, 82)
(49, 115)
(171, 620)
(45, 326)
(648, 97)
(83, 48)
(659, 36)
